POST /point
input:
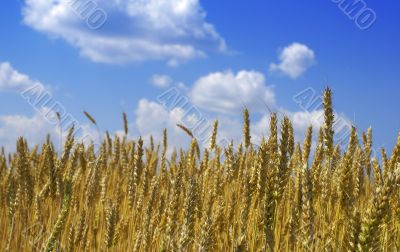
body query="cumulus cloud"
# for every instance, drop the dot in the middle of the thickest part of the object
(34, 129)
(303, 119)
(44, 120)
(220, 96)
(151, 118)
(160, 80)
(133, 30)
(12, 80)
(295, 59)
(223, 94)
(227, 92)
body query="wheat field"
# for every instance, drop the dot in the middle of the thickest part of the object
(127, 196)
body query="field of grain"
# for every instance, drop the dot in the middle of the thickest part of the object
(132, 197)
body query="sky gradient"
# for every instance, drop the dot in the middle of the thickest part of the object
(221, 55)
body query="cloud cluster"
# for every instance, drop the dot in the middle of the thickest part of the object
(228, 92)
(43, 121)
(295, 59)
(12, 80)
(224, 94)
(133, 30)
(34, 128)
(151, 118)
(219, 95)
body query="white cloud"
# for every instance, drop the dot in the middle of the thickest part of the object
(223, 94)
(161, 81)
(301, 120)
(34, 129)
(151, 118)
(12, 80)
(212, 93)
(227, 92)
(134, 30)
(295, 59)
(44, 121)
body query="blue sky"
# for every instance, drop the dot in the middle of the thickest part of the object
(217, 53)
